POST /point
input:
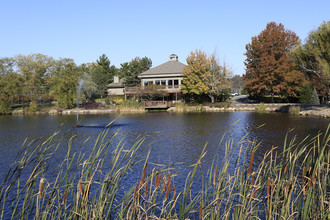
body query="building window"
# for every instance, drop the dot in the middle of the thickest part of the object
(157, 82)
(148, 83)
(176, 82)
(170, 82)
(163, 82)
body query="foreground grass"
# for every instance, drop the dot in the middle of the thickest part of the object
(293, 184)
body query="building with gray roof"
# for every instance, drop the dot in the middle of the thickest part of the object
(168, 74)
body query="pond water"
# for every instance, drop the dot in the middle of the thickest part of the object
(171, 137)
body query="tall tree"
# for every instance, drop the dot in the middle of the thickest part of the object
(34, 68)
(102, 74)
(10, 84)
(64, 79)
(130, 71)
(269, 70)
(313, 58)
(204, 76)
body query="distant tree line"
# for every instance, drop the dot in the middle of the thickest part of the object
(37, 78)
(277, 65)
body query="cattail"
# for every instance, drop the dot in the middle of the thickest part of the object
(174, 190)
(143, 174)
(41, 186)
(251, 162)
(286, 168)
(135, 192)
(252, 179)
(81, 188)
(165, 184)
(215, 176)
(157, 180)
(200, 211)
(65, 197)
(168, 190)
(146, 189)
(268, 188)
(303, 175)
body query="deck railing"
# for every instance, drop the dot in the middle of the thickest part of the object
(157, 104)
(167, 88)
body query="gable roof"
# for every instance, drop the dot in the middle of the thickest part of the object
(170, 67)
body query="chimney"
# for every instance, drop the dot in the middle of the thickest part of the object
(174, 57)
(116, 79)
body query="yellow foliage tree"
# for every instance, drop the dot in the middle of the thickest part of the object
(204, 76)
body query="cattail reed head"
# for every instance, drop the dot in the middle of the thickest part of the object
(157, 180)
(174, 190)
(41, 186)
(286, 168)
(143, 174)
(168, 190)
(135, 192)
(200, 211)
(81, 188)
(65, 197)
(215, 176)
(146, 189)
(251, 162)
(303, 175)
(252, 179)
(268, 188)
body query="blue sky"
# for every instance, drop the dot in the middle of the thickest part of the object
(84, 30)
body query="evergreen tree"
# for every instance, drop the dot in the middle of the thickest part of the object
(130, 71)
(102, 75)
(315, 98)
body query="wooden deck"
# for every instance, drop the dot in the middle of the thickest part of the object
(157, 105)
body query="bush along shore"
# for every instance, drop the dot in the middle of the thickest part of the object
(289, 183)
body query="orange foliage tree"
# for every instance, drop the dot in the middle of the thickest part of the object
(269, 71)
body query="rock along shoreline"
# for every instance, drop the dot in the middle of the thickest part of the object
(300, 109)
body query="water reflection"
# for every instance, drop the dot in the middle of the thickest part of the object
(171, 137)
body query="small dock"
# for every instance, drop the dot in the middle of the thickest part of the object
(157, 105)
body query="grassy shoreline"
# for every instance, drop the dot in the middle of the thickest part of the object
(293, 184)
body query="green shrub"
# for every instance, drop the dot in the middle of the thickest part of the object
(294, 110)
(221, 104)
(131, 104)
(107, 101)
(4, 107)
(118, 100)
(306, 93)
(261, 107)
(33, 107)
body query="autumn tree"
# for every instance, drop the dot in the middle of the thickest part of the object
(131, 70)
(102, 74)
(204, 76)
(269, 70)
(313, 58)
(33, 69)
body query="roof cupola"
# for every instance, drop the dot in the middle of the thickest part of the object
(174, 57)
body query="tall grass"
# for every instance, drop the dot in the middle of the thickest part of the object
(293, 184)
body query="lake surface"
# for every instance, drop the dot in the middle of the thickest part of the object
(171, 137)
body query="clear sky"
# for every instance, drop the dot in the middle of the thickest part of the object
(84, 30)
